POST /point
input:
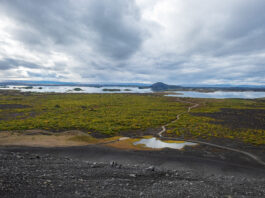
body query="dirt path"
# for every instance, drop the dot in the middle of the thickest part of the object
(163, 130)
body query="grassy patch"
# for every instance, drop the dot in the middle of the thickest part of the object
(210, 120)
(83, 138)
(111, 114)
(129, 144)
(101, 113)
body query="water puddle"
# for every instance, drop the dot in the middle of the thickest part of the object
(156, 143)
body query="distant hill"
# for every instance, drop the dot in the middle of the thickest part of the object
(159, 86)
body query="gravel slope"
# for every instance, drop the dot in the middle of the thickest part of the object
(106, 172)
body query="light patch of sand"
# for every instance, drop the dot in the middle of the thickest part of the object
(41, 139)
(128, 145)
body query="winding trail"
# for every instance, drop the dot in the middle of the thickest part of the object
(164, 129)
(194, 105)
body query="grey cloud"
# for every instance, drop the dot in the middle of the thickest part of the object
(106, 40)
(109, 28)
(116, 27)
(41, 21)
(9, 63)
(235, 27)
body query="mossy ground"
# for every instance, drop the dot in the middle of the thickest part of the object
(101, 113)
(200, 123)
(111, 114)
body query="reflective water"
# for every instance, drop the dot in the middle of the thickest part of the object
(192, 94)
(219, 94)
(70, 89)
(156, 143)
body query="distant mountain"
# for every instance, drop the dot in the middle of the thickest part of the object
(159, 86)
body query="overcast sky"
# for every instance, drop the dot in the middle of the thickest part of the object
(173, 41)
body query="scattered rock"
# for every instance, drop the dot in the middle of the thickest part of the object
(132, 175)
(95, 165)
(113, 163)
(54, 175)
(151, 168)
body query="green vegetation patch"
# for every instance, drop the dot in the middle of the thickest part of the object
(243, 120)
(78, 89)
(101, 113)
(111, 90)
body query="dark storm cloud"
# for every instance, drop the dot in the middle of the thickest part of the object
(108, 27)
(115, 24)
(175, 41)
(40, 21)
(9, 63)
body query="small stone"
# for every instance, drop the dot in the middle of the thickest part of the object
(94, 165)
(132, 175)
(113, 163)
(151, 168)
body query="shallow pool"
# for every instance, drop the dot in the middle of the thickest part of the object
(156, 143)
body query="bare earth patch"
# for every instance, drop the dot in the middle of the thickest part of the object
(39, 138)
(128, 145)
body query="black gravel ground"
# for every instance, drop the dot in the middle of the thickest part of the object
(96, 171)
(238, 118)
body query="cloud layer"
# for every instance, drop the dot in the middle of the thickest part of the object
(174, 41)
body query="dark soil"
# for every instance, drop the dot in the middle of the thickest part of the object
(238, 118)
(13, 106)
(140, 133)
(17, 115)
(97, 171)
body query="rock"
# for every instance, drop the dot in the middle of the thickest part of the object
(94, 165)
(151, 168)
(132, 175)
(113, 163)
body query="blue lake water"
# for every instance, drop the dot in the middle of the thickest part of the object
(219, 94)
(70, 89)
(192, 94)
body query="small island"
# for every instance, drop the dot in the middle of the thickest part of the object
(111, 90)
(28, 87)
(78, 89)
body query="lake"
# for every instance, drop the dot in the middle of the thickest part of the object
(220, 94)
(117, 89)
(71, 89)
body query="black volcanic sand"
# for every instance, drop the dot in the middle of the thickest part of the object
(238, 118)
(100, 171)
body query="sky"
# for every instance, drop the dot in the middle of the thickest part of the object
(145, 41)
